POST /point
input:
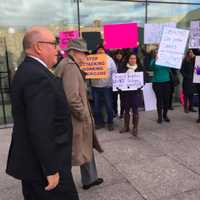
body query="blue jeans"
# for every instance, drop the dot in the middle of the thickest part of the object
(103, 97)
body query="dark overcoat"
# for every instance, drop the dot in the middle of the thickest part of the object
(42, 133)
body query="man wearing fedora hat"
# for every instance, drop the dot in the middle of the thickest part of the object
(84, 138)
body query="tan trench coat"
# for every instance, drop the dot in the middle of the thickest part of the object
(84, 138)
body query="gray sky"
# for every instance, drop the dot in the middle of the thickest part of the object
(43, 12)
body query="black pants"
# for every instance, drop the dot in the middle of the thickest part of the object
(188, 99)
(66, 190)
(188, 91)
(162, 92)
(115, 97)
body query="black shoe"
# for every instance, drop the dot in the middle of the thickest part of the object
(192, 110)
(159, 121)
(110, 127)
(115, 115)
(166, 119)
(171, 108)
(198, 120)
(97, 182)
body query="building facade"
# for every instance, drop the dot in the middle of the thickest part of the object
(82, 15)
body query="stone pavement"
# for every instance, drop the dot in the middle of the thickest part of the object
(163, 164)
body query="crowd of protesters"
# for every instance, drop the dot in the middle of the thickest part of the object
(164, 81)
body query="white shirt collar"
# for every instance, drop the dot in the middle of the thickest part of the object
(39, 60)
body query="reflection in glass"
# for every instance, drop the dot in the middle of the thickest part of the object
(23, 13)
(181, 14)
(111, 12)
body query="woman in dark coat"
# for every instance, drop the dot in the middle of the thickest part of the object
(131, 99)
(187, 71)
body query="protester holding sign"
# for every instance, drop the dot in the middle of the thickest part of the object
(187, 71)
(161, 87)
(103, 95)
(119, 61)
(131, 99)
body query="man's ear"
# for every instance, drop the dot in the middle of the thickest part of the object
(37, 48)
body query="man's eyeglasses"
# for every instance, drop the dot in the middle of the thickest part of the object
(54, 43)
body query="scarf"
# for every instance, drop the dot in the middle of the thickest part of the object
(131, 67)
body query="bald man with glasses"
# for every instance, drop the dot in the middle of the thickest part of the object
(41, 147)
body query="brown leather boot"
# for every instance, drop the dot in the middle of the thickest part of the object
(126, 123)
(135, 121)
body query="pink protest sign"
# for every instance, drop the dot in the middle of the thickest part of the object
(66, 36)
(121, 35)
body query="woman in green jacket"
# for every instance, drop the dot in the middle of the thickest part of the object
(161, 87)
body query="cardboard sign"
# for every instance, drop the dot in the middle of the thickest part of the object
(96, 66)
(172, 47)
(121, 36)
(92, 39)
(128, 81)
(194, 41)
(65, 37)
(196, 76)
(153, 32)
(149, 97)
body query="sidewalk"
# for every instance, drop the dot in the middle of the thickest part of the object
(164, 164)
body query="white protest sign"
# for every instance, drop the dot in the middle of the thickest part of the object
(119, 80)
(194, 41)
(170, 60)
(153, 32)
(196, 76)
(149, 97)
(128, 81)
(172, 47)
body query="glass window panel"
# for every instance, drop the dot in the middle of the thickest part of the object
(103, 12)
(182, 14)
(23, 13)
(5, 111)
(179, 1)
(18, 15)
(173, 1)
(111, 12)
